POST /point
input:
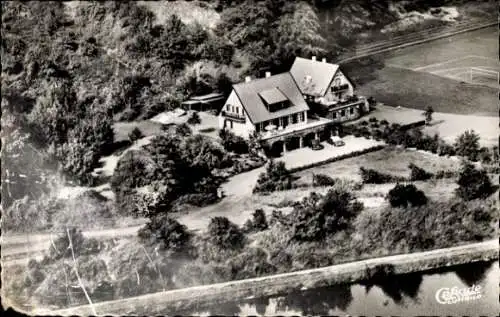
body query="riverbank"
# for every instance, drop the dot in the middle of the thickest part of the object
(182, 299)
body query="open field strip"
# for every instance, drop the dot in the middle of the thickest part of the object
(183, 299)
(404, 43)
(461, 61)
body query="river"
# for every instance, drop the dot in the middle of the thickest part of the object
(405, 295)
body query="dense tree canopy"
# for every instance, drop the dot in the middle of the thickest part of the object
(473, 183)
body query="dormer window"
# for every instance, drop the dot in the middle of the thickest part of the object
(274, 99)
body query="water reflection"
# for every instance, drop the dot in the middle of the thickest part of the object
(261, 305)
(473, 274)
(398, 287)
(318, 301)
(408, 293)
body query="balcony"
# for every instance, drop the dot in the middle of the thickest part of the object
(353, 100)
(233, 116)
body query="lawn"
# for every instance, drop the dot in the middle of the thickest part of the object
(239, 205)
(147, 127)
(406, 88)
(389, 160)
(449, 126)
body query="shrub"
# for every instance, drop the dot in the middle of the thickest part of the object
(259, 221)
(251, 263)
(372, 119)
(233, 143)
(473, 183)
(371, 176)
(72, 241)
(194, 118)
(446, 149)
(165, 232)
(467, 145)
(444, 174)
(484, 155)
(135, 134)
(225, 234)
(277, 217)
(418, 173)
(364, 123)
(384, 122)
(434, 225)
(322, 180)
(276, 177)
(404, 195)
(183, 130)
(319, 215)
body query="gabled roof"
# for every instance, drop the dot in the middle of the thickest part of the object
(320, 75)
(272, 96)
(249, 94)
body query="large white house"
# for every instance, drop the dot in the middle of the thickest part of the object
(292, 108)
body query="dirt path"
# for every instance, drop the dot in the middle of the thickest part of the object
(238, 187)
(236, 190)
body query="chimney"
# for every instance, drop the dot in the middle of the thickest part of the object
(248, 79)
(268, 74)
(323, 60)
(314, 58)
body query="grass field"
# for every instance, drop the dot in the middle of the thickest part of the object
(482, 43)
(413, 89)
(390, 160)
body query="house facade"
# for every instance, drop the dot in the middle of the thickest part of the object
(289, 110)
(329, 91)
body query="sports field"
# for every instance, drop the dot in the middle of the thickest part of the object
(456, 75)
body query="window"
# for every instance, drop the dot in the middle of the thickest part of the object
(231, 124)
(237, 110)
(294, 118)
(301, 117)
(228, 107)
(285, 121)
(352, 110)
(233, 108)
(342, 112)
(258, 127)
